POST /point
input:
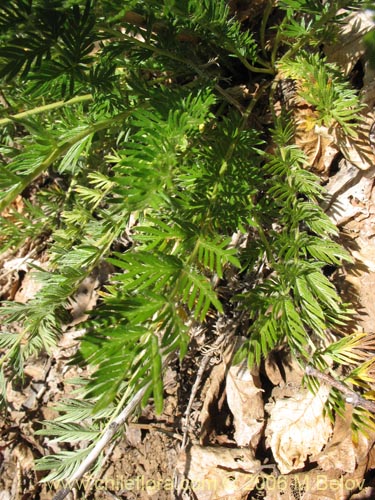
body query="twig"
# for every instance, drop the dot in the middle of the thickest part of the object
(108, 434)
(351, 397)
(218, 346)
(193, 394)
(99, 472)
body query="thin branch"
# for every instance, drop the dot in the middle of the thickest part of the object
(185, 36)
(351, 397)
(108, 434)
(58, 151)
(194, 390)
(110, 431)
(43, 109)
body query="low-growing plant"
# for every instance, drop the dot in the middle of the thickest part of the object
(145, 134)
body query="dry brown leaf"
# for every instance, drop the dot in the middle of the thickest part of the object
(244, 397)
(350, 459)
(320, 144)
(219, 473)
(358, 286)
(366, 493)
(282, 370)
(341, 453)
(349, 46)
(16, 206)
(348, 193)
(358, 150)
(317, 143)
(205, 416)
(29, 288)
(247, 9)
(297, 428)
(211, 391)
(346, 176)
(24, 455)
(272, 369)
(87, 295)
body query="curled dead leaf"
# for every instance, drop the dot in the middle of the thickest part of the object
(217, 472)
(297, 428)
(244, 397)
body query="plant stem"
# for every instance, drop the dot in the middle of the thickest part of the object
(266, 15)
(54, 155)
(351, 397)
(255, 69)
(111, 429)
(325, 19)
(224, 165)
(46, 107)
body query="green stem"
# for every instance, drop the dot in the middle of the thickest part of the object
(277, 41)
(325, 19)
(54, 155)
(46, 107)
(255, 69)
(266, 15)
(266, 244)
(186, 62)
(232, 147)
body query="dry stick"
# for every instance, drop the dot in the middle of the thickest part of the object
(94, 479)
(108, 434)
(218, 344)
(111, 430)
(351, 397)
(198, 379)
(193, 394)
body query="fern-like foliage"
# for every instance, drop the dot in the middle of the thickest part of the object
(122, 123)
(297, 299)
(323, 87)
